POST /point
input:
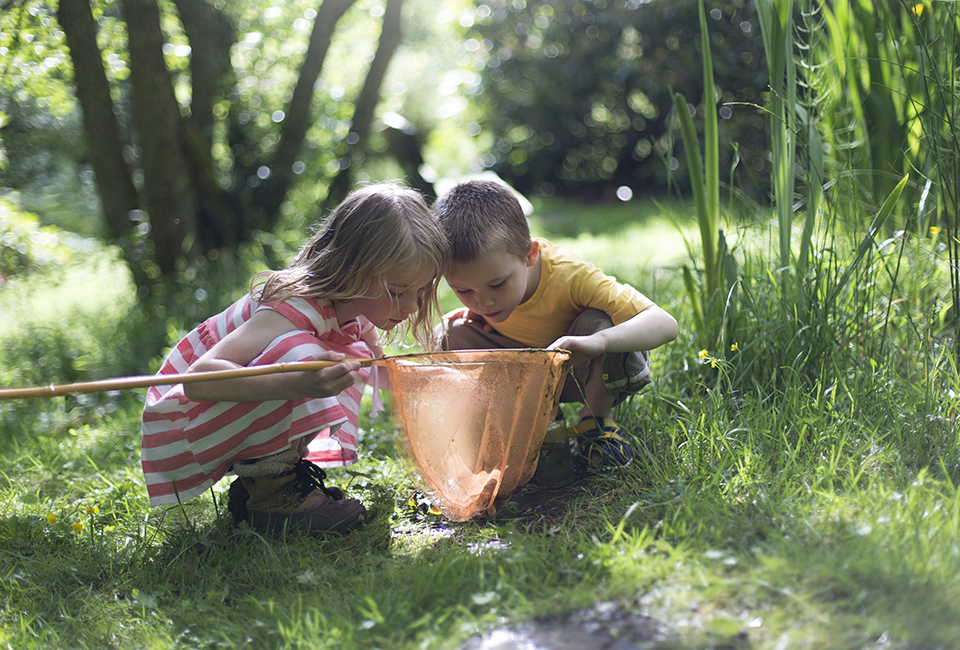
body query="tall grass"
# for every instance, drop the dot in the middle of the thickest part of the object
(776, 24)
(707, 298)
(933, 79)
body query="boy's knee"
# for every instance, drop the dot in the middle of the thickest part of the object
(590, 321)
(622, 373)
(440, 334)
(460, 334)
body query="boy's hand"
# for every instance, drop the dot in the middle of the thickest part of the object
(466, 314)
(582, 348)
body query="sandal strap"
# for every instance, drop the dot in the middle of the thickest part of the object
(588, 426)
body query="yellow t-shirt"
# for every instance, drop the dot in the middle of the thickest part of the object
(569, 285)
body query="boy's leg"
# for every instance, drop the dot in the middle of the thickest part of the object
(602, 384)
(618, 374)
(464, 334)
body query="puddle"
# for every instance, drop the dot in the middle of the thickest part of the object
(602, 627)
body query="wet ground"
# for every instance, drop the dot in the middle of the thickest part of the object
(606, 626)
(603, 627)
(530, 502)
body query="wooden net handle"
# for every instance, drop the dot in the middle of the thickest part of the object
(122, 383)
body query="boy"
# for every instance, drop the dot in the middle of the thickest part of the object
(522, 292)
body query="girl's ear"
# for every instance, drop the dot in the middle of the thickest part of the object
(533, 253)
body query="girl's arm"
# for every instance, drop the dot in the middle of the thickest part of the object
(243, 345)
(649, 329)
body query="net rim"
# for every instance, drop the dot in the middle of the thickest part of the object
(517, 355)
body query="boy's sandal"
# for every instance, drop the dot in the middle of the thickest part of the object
(601, 442)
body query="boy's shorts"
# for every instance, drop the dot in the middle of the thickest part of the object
(624, 373)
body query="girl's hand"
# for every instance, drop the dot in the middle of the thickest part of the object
(331, 380)
(582, 348)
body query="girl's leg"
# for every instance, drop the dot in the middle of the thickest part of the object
(287, 491)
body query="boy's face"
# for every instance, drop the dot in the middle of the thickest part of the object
(493, 285)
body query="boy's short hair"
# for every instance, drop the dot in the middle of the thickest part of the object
(480, 217)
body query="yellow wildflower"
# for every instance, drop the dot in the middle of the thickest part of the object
(77, 527)
(92, 510)
(703, 354)
(933, 231)
(51, 518)
(713, 364)
(918, 10)
(734, 347)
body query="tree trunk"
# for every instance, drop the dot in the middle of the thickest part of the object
(299, 117)
(390, 36)
(211, 36)
(167, 189)
(405, 145)
(118, 196)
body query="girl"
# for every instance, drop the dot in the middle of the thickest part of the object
(375, 262)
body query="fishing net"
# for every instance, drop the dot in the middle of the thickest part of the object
(472, 422)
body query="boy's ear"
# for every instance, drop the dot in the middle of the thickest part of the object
(533, 252)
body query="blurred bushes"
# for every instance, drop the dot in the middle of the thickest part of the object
(46, 165)
(578, 94)
(26, 246)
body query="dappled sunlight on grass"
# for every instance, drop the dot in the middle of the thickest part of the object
(818, 512)
(101, 281)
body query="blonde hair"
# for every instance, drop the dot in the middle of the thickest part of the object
(374, 230)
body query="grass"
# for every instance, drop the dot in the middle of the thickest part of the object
(821, 513)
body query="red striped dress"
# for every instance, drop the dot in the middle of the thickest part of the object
(189, 445)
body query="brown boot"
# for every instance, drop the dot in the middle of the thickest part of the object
(295, 498)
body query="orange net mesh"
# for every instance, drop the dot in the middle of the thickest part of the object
(473, 421)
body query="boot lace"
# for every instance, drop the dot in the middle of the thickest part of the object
(309, 477)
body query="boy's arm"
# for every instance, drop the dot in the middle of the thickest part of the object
(243, 345)
(649, 329)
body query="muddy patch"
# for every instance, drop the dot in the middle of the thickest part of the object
(531, 502)
(602, 627)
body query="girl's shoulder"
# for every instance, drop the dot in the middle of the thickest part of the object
(310, 314)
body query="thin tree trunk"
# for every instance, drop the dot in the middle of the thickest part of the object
(118, 195)
(211, 35)
(167, 190)
(405, 145)
(270, 194)
(390, 37)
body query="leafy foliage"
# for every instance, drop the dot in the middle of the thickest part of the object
(578, 94)
(27, 246)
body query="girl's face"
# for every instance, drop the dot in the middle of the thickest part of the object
(386, 310)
